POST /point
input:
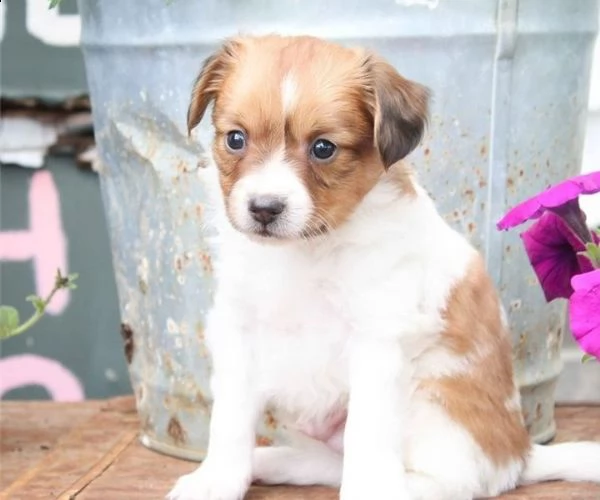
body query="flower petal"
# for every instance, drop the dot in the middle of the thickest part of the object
(553, 197)
(552, 248)
(584, 311)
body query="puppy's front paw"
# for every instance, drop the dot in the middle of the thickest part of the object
(211, 483)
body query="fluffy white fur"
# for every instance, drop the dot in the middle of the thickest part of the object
(312, 326)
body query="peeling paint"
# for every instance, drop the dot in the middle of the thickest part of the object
(31, 129)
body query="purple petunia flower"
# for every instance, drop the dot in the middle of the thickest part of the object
(556, 198)
(556, 255)
(584, 311)
(556, 243)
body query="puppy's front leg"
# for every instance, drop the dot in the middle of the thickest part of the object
(226, 472)
(373, 455)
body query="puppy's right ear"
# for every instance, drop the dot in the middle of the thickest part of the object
(209, 81)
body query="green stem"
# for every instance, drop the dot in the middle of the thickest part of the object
(35, 317)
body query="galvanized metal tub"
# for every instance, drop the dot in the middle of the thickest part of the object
(510, 80)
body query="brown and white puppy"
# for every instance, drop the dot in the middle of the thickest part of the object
(345, 303)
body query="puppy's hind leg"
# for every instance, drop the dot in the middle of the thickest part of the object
(424, 487)
(308, 464)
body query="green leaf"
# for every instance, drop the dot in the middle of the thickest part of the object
(53, 3)
(37, 302)
(586, 358)
(593, 252)
(9, 320)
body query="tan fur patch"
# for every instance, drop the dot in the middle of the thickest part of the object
(478, 399)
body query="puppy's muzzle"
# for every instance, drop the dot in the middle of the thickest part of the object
(266, 209)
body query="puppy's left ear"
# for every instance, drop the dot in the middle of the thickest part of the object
(400, 110)
(209, 81)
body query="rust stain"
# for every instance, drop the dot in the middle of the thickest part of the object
(178, 401)
(520, 349)
(182, 167)
(140, 393)
(199, 211)
(152, 148)
(510, 182)
(201, 400)
(483, 150)
(206, 262)
(168, 363)
(270, 420)
(426, 152)
(538, 411)
(176, 431)
(200, 331)
(471, 227)
(263, 441)
(128, 342)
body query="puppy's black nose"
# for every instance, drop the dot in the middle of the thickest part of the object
(265, 209)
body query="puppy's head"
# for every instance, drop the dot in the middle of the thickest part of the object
(304, 129)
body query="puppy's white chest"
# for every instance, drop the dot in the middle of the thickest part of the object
(296, 332)
(299, 343)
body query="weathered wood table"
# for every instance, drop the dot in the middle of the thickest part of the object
(90, 451)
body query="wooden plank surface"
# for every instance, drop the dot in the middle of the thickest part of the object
(89, 451)
(28, 432)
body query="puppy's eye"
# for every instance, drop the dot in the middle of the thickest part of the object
(236, 140)
(322, 149)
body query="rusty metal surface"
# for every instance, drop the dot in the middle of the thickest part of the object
(510, 81)
(92, 456)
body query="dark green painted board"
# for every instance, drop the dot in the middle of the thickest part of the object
(85, 338)
(77, 353)
(31, 68)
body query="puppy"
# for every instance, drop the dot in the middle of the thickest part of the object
(345, 303)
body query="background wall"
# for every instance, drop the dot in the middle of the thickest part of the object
(51, 216)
